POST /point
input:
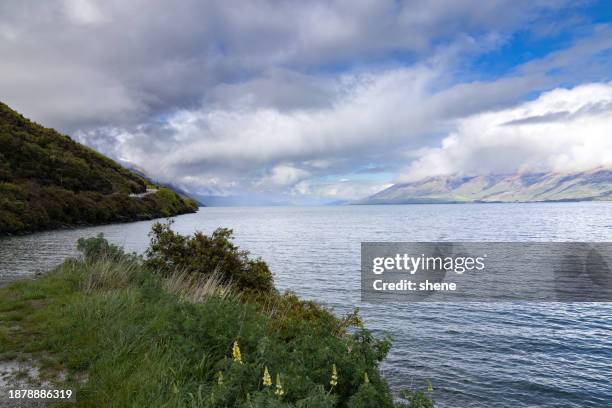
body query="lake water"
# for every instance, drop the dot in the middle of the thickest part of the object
(474, 354)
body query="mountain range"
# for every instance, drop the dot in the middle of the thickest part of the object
(592, 185)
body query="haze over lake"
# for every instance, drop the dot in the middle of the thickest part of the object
(510, 354)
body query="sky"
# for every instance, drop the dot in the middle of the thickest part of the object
(316, 101)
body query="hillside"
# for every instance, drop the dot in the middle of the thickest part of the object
(48, 181)
(196, 322)
(594, 185)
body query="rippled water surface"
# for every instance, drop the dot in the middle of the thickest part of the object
(476, 355)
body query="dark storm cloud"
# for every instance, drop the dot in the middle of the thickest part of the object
(74, 63)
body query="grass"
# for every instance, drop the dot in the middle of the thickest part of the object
(122, 335)
(89, 318)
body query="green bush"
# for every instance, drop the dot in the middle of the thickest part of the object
(98, 248)
(207, 255)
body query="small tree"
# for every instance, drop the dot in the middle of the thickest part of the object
(206, 255)
(98, 247)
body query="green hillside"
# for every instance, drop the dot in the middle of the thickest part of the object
(48, 181)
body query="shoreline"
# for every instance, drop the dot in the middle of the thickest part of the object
(75, 321)
(68, 227)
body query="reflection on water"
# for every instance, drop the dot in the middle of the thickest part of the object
(509, 354)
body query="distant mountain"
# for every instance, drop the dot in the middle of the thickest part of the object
(47, 181)
(594, 185)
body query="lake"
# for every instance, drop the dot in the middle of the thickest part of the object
(474, 354)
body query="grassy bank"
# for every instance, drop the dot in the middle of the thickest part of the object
(175, 330)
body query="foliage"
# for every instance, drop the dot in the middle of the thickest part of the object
(202, 254)
(97, 248)
(48, 181)
(417, 399)
(122, 339)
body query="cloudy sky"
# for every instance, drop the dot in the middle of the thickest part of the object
(310, 101)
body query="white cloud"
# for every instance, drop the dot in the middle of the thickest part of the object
(563, 130)
(343, 189)
(280, 176)
(383, 116)
(367, 109)
(84, 12)
(266, 147)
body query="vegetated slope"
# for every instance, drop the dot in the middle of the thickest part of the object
(197, 323)
(593, 185)
(47, 181)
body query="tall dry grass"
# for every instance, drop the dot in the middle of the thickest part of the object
(197, 288)
(107, 274)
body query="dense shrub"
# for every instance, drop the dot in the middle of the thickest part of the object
(28, 207)
(301, 341)
(98, 248)
(207, 255)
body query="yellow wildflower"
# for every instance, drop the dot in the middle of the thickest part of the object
(279, 387)
(220, 378)
(366, 379)
(236, 353)
(429, 387)
(267, 380)
(334, 376)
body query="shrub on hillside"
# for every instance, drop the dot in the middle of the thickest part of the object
(98, 248)
(206, 255)
(30, 207)
(275, 351)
